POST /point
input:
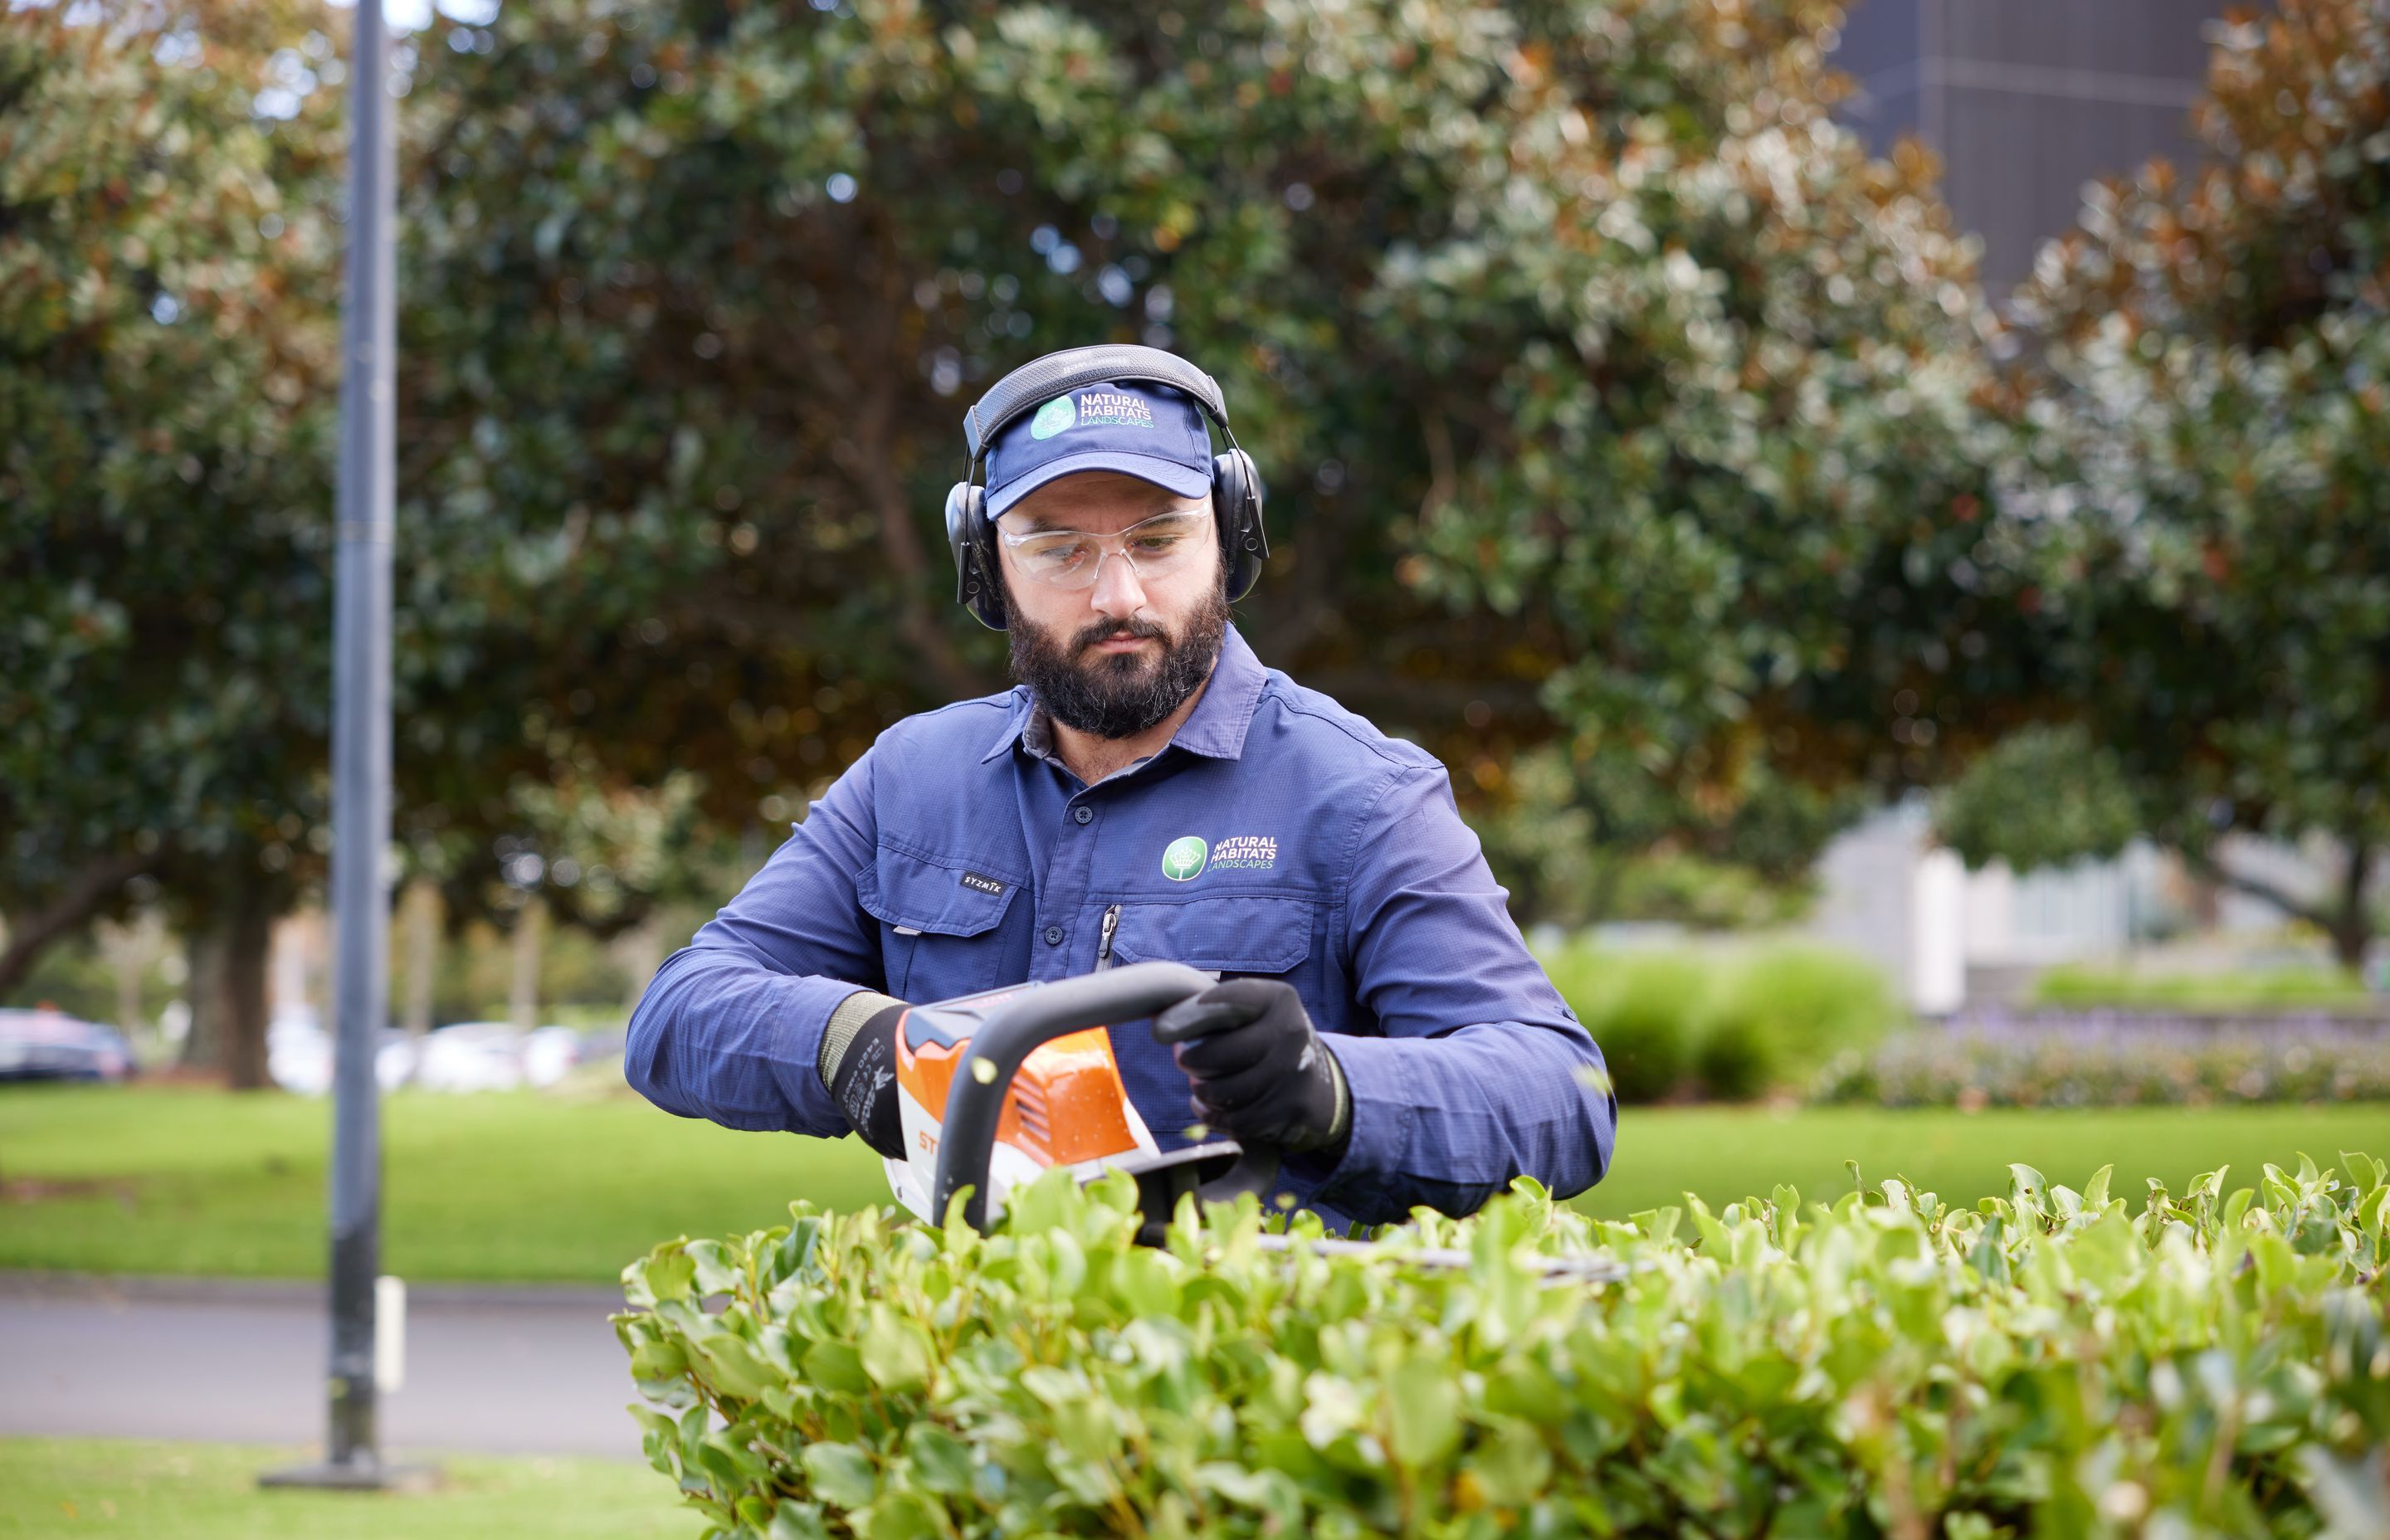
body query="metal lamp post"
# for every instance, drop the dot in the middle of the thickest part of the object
(361, 755)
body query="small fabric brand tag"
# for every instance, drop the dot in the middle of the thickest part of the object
(985, 884)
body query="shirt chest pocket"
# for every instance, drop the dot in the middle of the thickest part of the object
(1219, 935)
(944, 923)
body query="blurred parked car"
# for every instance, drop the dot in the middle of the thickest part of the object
(50, 1044)
(471, 1056)
(495, 1056)
(466, 1056)
(299, 1056)
(549, 1054)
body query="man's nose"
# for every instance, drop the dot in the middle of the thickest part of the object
(1117, 592)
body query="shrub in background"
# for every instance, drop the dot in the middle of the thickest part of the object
(2050, 1364)
(2112, 1067)
(2253, 989)
(1641, 1008)
(1728, 1024)
(1774, 1019)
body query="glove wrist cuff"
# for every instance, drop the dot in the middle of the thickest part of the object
(1341, 1128)
(852, 1014)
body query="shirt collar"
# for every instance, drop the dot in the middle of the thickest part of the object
(1215, 728)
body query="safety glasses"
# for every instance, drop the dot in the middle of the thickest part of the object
(1154, 547)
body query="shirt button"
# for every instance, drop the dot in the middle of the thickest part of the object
(1085, 813)
(1053, 935)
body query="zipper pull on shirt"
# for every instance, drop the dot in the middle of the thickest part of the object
(1104, 946)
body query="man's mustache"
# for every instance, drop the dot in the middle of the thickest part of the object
(1104, 631)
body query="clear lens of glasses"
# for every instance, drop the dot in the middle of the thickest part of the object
(1069, 558)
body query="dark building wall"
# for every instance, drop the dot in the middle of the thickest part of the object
(2027, 100)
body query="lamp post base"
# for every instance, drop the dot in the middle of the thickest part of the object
(355, 1476)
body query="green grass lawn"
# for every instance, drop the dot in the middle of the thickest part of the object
(158, 1179)
(139, 1490)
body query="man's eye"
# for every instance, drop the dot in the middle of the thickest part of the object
(1060, 553)
(1157, 545)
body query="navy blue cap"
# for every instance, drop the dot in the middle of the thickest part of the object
(1153, 432)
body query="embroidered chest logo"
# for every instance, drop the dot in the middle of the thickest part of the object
(1183, 861)
(1245, 853)
(985, 884)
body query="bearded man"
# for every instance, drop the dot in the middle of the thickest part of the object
(1149, 791)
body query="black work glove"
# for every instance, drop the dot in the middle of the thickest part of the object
(863, 1082)
(1261, 1073)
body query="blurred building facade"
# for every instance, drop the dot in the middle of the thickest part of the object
(2025, 100)
(1951, 938)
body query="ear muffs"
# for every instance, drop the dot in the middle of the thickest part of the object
(1237, 504)
(977, 586)
(1236, 486)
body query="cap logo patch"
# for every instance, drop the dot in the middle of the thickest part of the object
(1052, 417)
(1112, 409)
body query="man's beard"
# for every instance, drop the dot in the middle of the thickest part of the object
(1117, 695)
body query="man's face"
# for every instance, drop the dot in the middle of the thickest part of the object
(1114, 657)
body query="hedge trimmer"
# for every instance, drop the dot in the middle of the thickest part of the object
(996, 1089)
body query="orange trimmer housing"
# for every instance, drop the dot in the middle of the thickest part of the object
(1067, 1105)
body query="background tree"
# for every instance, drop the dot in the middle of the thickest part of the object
(1605, 389)
(1721, 442)
(169, 185)
(166, 241)
(2044, 796)
(2210, 412)
(1580, 844)
(1611, 399)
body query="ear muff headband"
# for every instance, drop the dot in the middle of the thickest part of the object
(1041, 379)
(1236, 488)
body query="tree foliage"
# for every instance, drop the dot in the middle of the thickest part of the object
(2044, 796)
(166, 344)
(1605, 388)
(2209, 407)
(1577, 844)
(170, 239)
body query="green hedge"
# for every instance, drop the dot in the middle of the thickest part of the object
(2143, 1067)
(2254, 989)
(1726, 1024)
(2048, 1364)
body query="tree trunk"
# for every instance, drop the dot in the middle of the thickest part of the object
(2352, 921)
(129, 947)
(422, 910)
(639, 951)
(531, 935)
(229, 952)
(870, 453)
(203, 1044)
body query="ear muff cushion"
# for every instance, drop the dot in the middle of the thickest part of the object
(989, 603)
(1237, 503)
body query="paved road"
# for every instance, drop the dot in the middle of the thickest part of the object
(494, 1370)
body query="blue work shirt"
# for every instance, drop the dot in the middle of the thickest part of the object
(954, 857)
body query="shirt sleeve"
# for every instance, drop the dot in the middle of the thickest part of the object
(731, 1025)
(1483, 1073)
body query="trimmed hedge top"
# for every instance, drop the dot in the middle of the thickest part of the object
(2051, 1362)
